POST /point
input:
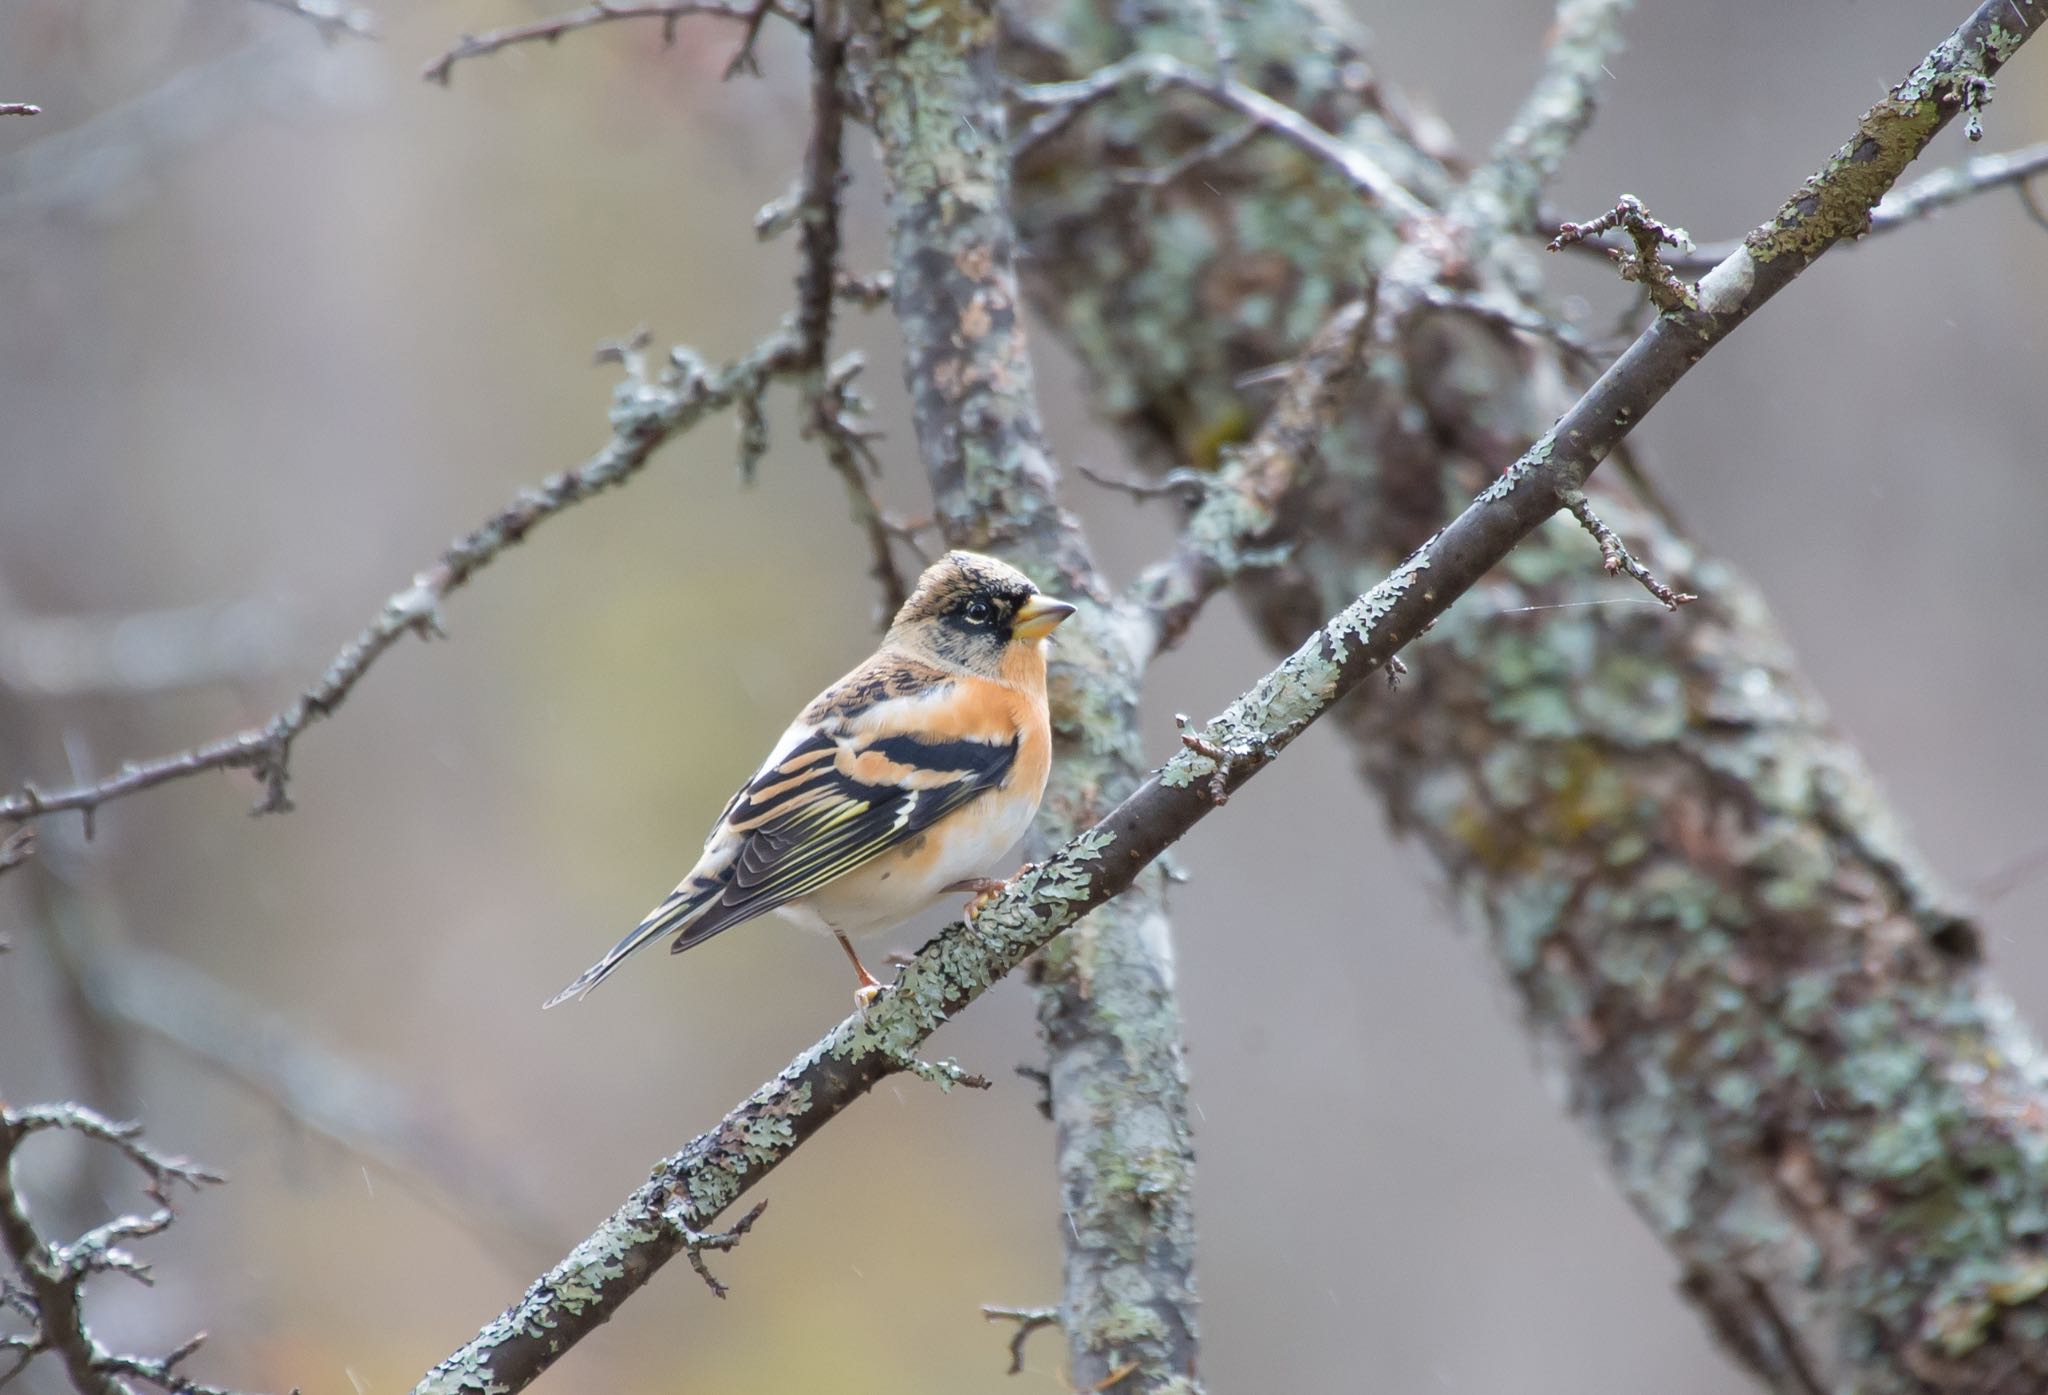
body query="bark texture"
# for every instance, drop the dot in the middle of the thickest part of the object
(1105, 989)
(1766, 1011)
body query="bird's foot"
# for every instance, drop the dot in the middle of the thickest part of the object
(985, 889)
(865, 995)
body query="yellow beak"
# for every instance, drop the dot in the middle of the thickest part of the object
(1039, 617)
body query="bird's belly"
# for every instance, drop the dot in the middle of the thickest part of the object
(903, 881)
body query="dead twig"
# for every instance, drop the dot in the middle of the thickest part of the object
(669, 12)
(1615, 556)
(1928, 195)
(648, 408)
(834, 413)
(47, 1290)
(1646, 264)
(695, 1243)
(1028, 1320)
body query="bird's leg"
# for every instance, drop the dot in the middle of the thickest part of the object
(869, 986)
(985, 889)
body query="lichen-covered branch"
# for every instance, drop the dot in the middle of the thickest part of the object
(1772, 1023)
(693, 1187)
(648, 409)
(689, 1190)
(46, 1292)
(1106, 998)
(1927, 195)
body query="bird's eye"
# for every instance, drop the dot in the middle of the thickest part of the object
(977, 612)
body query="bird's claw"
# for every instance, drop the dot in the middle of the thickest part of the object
(986, 889)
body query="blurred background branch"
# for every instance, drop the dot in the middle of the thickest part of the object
(1638, 937)
(46, 1291)
(1189, 255)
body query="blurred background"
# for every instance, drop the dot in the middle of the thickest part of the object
(281, 320)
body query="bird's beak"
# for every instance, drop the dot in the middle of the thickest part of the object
(1039, 617)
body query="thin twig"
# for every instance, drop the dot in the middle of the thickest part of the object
(20, 109)
(648, 409)
(1061, 102)
(1184, 483)
(1925, 196)
(695, 1244)
(744, 61)
(1646, 264)
(833, 413)
(961, 963)
(50, 1276)
(1028, 1321)
(1615, 556)
(669, 12)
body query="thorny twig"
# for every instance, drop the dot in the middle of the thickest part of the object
(1646, 264)
(833, 413)
(954, 969)
(1028, 1321)
(1924, 196)
(1615, 556)
(50, 1276)
(744, 61)
(648, 408)
(669, 12)
(695, 1243)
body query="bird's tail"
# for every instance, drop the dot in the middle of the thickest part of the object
(674, 913)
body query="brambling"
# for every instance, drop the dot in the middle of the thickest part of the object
(896, 785)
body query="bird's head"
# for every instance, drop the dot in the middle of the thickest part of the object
(973, 612)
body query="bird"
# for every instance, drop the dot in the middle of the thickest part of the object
(897, 784)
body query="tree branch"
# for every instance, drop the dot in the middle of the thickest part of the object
(1107, 1007)
(48, 1291)
(647, 411)
(669, 12)
(1925, 196)
(832, 412)
(1239, 525)
(966, 959)
(1762, 1011)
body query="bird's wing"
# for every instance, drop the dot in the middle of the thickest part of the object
(835, 801)
(881, 755)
